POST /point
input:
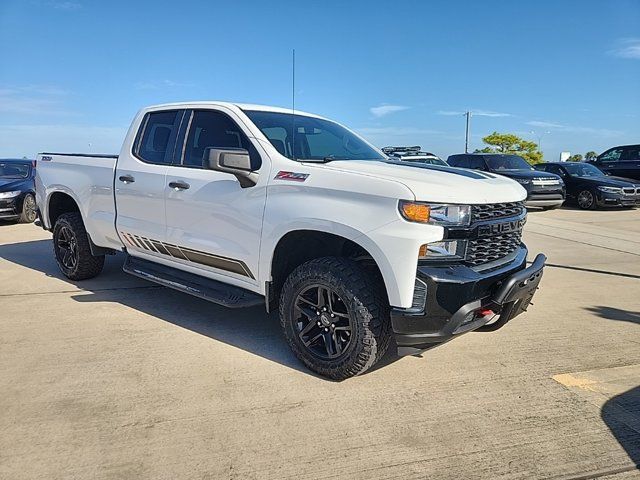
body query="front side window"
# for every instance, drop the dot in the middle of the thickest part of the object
(507, 162)
(158, 137)
(14, 170)
(299, 137)
(612, 155)
(212, 129)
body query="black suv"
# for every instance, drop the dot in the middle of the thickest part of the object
(623, 161)
(544, 190)
(17, 190)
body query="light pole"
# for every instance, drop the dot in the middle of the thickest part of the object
(539, 136)
(466, 132)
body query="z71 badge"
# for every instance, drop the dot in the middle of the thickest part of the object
(292, 176)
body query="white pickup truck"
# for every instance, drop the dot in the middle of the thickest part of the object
(245, 205)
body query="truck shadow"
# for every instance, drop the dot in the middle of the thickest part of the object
(621, 413)
(250, 329)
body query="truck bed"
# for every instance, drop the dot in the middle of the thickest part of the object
(88, 179)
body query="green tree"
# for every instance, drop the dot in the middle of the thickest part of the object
(590, 155)
(575, 158)
(510, 143)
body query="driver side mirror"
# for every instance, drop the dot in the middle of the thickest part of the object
(235, 161)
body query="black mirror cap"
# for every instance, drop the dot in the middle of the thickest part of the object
(235, 161)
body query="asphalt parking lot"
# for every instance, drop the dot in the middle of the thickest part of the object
(118, 378)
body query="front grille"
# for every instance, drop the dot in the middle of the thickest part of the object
(491, 211)
(629, 191)
(488, 249)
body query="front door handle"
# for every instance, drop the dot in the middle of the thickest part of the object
(179, 185)
(126, 179)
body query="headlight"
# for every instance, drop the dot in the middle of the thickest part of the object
(15, 193)
(523, 181)
(448, 249)
(610, 189)
(437, 214)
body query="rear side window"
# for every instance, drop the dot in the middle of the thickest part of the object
(631, 153)
(461, 161)
(159, 131)
(476, 163)
(212, 129)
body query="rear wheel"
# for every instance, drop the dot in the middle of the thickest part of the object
(71, 248)
(335, 318)
(587, 200)
(29, 212)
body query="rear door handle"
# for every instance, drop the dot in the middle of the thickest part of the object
(126, 179)
(179, 185)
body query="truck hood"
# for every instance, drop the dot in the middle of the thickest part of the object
(434, 183)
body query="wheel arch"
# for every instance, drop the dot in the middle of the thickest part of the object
(300, 245)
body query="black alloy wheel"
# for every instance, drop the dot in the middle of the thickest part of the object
(586, 200)
(323, 322)
(66, 248)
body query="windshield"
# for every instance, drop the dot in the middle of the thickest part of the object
(507, 162)
(314, 139)
(14, 170)
(583, 170)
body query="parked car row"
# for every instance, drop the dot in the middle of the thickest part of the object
(612, 179)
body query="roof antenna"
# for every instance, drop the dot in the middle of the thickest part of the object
(293, 102)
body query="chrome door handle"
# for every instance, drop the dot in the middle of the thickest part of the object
(126, 179)
(179, 185)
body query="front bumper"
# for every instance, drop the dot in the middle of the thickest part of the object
(607, 199)
(10, 208)
(460, 299)
(545, 196)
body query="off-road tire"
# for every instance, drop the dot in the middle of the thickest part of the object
(28, 214)
(87, 265)
(366, 303)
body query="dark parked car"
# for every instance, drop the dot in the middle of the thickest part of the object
(17, 190)
(622, 161)
(544, 190)
(590, 188)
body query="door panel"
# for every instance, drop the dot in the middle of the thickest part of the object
(140, 183)
(215, 222)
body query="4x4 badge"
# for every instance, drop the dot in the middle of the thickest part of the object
(292, 176)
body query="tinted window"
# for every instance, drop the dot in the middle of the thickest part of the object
(631, 153)
(477, 163)
(211, 129)
(554, 169)
(311, 138)
(461, 161)
(14, 170)
(159, 136)
(507, 162)
(612, 155)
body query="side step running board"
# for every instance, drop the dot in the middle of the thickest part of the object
(212, 290)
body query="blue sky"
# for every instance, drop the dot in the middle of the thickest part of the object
(75, 72)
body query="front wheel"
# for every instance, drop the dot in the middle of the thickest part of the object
(335, 317)
(587, 200)
(71, 248)
(29, 212)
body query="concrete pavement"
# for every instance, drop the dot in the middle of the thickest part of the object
(117, 378)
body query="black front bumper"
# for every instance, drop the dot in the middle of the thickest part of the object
(459, 298)
(10, 208)
(608, 199)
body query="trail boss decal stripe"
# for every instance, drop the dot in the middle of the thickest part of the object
(193, 256)
(291, 176)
